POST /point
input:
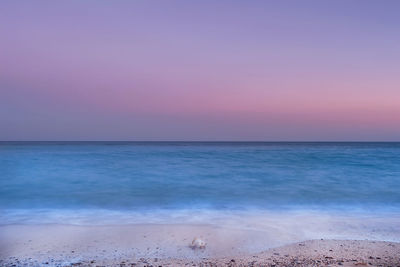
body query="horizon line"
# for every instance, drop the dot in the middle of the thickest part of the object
(205, 141)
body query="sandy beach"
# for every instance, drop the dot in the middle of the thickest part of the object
(169, 245)
(199, 133)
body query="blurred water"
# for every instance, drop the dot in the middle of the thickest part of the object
(141, 177)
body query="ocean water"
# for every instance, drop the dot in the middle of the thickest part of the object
(145, 182)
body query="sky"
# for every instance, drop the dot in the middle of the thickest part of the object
(200, 70)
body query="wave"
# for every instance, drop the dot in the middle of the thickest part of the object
(309, 224)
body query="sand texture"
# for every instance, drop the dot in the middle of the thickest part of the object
(172, 245)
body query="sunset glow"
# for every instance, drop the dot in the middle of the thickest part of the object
(184, 70)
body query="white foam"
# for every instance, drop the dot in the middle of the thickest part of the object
(294, 224)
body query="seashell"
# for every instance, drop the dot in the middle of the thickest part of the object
(198, 243)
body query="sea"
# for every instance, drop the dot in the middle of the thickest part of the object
(89, 183)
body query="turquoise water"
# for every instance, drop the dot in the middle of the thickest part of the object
(168, 177)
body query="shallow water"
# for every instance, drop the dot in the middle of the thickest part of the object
(139, 182)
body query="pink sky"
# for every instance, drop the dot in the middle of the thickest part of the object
(183, 70)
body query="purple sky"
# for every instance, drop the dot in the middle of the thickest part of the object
(200, 70)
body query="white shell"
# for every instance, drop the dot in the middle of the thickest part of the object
(198, 243)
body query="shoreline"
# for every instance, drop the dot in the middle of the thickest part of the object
(169, 245)
(307, 253)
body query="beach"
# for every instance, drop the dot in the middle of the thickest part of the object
(170, 245)
(199, 133)
(199, 203)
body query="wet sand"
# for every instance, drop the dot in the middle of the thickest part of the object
(169, 245)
